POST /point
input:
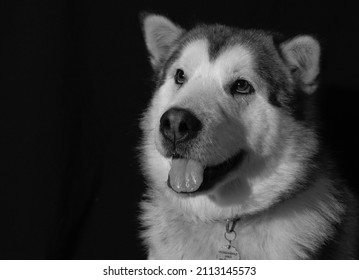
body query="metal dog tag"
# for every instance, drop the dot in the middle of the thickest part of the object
(227, 252)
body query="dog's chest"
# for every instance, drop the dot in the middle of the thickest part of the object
(177, 239)
(190, 241)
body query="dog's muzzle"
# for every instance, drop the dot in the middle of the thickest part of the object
(178, 127)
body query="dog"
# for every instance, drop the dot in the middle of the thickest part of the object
(231, 154)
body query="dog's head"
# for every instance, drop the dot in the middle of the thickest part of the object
(227, 117)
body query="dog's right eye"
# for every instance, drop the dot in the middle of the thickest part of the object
(180, 77)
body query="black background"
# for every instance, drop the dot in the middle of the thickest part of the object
(74, 80)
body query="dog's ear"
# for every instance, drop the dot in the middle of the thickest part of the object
(160, 34)
(302, 54)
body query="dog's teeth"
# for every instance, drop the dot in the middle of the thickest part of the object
(186, 175)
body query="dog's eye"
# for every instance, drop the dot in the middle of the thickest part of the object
(180, 77)
(241, 86)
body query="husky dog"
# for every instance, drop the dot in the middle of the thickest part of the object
(231, 150)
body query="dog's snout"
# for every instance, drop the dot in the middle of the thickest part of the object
(179, 125)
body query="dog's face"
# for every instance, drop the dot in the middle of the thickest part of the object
(225, 110)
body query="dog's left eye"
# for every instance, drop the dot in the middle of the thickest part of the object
(180, 77)
(241, 86)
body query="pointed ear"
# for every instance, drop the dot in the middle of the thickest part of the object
(302, 54)
(160, 34)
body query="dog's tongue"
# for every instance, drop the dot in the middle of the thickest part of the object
(186, 175)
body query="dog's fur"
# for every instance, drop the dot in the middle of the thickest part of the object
(286, 192)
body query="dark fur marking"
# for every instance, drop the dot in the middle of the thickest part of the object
(218, 37)
(306, 180)
(344, 243)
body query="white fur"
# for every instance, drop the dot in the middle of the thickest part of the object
(289, 231)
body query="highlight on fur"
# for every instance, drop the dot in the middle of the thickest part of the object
(230, 140)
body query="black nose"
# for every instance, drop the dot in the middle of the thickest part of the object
(179, 125)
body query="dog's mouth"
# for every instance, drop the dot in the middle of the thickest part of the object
(189, 176)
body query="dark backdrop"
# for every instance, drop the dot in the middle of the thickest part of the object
(74, 81)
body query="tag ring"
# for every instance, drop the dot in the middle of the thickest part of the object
(230, 236)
